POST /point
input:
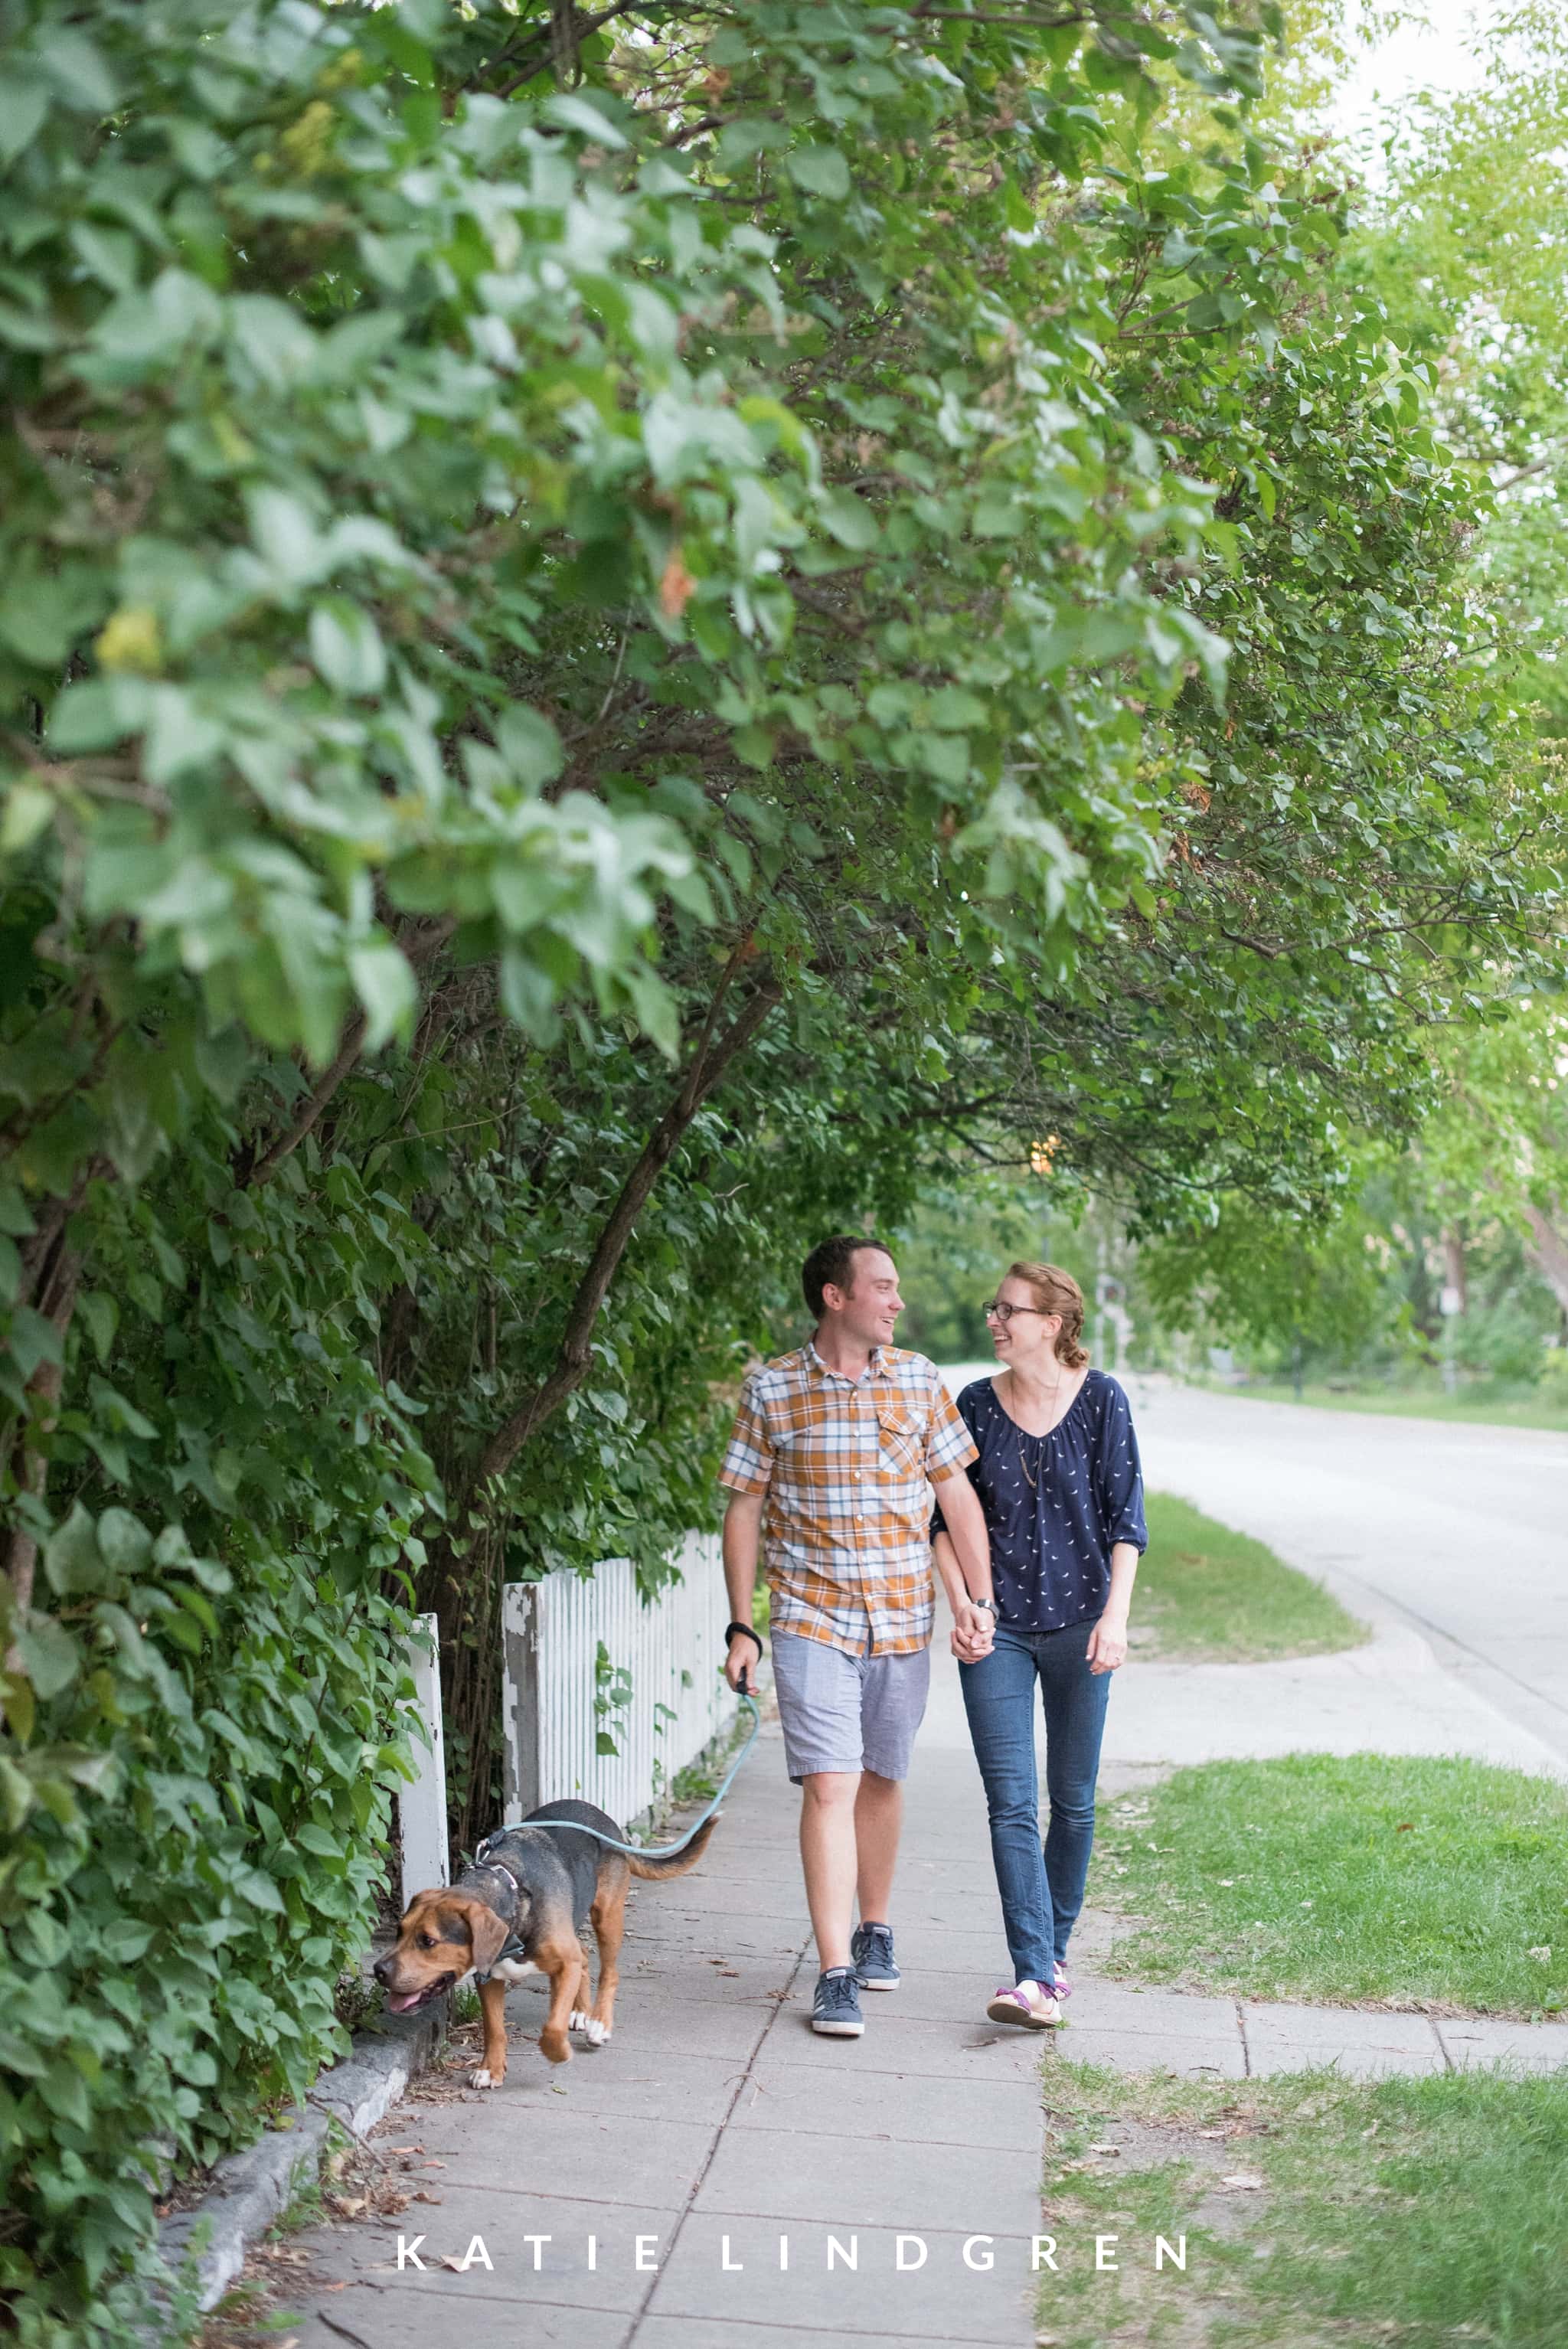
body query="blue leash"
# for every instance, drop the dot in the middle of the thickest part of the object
(643, 1850)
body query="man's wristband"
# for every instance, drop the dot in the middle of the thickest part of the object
(991, 1603)
(731, 1628)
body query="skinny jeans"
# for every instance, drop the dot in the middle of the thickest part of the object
(1041, 1886)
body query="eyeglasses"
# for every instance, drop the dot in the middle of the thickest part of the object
(995, 1311)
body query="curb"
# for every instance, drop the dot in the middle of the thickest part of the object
(249, 2189)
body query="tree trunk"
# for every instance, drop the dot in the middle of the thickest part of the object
(1455, 1272)
(57, 1301)
(473, 1504)
(1548, 1252)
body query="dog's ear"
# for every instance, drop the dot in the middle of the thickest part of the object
(487, 1932)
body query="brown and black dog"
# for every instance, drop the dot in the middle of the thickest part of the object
(518, 1910)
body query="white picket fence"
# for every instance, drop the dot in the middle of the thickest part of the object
(675, 1702)
(568, 1638)
(422, 1806)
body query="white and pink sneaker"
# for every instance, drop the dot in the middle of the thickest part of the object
(1030, 2004)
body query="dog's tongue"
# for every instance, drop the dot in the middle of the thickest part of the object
(400, 2005)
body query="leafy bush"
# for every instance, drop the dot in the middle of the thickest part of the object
(205, 1728)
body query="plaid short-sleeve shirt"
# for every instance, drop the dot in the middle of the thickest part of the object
(845, 1463)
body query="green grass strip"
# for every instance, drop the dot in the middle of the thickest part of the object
(1358, 1879)
(1207, 1595)
(1419, 2213)
(1490, 1405)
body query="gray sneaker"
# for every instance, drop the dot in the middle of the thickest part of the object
(870, 1953)
(836, 2008)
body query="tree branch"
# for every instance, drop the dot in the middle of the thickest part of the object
(712, 1059)
(315, 1101)
(419, 951)
(56, 1302)
(544, 45)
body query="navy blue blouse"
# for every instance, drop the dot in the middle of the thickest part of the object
(1056, 1505)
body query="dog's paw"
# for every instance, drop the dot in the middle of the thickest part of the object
(597, 2032)
(556, 2046)
(482, 2079)
(579, 2020)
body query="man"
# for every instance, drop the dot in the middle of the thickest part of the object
(839, 1443)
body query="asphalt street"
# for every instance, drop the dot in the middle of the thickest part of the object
(1461, 1531)
(1448, 1543)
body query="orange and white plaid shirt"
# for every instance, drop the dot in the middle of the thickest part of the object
(845, 1463)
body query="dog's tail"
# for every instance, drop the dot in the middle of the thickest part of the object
(678, 1862)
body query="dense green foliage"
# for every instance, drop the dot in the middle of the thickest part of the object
(1465, 248)
(1461, 245)
(615, 635)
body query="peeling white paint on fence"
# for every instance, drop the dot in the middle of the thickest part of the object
(560, 1694)
(422, 1806)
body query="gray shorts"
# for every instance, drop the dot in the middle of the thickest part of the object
(847, 1713)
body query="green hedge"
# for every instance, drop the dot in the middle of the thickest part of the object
(197, 1796)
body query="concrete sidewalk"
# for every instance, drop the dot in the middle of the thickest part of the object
(661, 2172)
(714, 2123)
(1389, 1696)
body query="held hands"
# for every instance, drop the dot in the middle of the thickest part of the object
(974, 1629)
(1108, 1643)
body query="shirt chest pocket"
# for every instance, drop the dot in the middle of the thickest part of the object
(901, 1442)
(785, 1442)
(798, 1465)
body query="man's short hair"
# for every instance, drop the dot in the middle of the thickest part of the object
(834, 1260)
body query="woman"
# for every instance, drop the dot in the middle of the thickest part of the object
(1059, 1480)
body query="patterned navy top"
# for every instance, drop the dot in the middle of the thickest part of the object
(1056, 1505)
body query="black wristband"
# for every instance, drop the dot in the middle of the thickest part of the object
(731, 1628)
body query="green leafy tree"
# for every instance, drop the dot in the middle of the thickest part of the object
(1456, 253)
(1463, 253)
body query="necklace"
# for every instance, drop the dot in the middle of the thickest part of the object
(1033, 1481)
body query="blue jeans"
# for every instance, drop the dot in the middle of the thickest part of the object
(1041, 1889)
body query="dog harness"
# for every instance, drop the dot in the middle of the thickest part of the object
(512, 1945)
